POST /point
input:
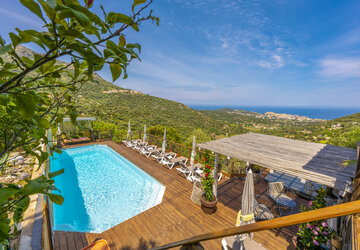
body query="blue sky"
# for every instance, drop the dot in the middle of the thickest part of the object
(227, 52)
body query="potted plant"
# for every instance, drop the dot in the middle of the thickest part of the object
(208, 200)
(316, 234)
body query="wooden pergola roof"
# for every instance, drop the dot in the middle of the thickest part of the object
(316, 162)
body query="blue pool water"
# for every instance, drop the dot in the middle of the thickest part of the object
(101, 189)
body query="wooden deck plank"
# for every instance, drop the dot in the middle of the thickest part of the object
(70, 240)
(177, 217)
(78, 240)
(63, 240)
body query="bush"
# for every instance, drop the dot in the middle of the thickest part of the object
(171, 133)
(316, 233)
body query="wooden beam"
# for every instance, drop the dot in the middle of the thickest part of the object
(313, 215)
(216, 163)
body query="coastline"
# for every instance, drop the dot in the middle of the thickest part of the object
(323, 113)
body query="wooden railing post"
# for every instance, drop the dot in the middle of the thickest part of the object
(356, 189)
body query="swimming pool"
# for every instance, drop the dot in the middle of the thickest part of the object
(101, 189)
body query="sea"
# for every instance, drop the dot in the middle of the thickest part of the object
(326, 113)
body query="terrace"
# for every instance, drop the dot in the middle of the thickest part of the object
(177, 217)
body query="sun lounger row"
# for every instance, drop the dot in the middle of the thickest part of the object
(169, 159)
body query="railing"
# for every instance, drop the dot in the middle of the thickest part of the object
(348, 208)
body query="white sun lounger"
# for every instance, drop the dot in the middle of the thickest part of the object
(154, 151)
(199, 174)
(162, 155)
(187, 171)
(172, 162)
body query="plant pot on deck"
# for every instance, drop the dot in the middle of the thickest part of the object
(209, 207)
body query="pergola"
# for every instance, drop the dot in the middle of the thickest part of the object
(320, 163)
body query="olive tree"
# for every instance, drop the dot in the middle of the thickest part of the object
(36, 90)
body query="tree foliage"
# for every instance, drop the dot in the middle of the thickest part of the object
(171, 133)
(36, 90)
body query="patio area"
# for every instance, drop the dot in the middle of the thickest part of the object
(177, 217)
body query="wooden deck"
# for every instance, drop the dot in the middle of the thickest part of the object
(176, 217)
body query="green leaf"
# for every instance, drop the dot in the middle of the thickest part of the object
(137, 2)
(6, 193)
(56, 198)
(115, 71)
(122, 41)
(118, 18)
(14, 39)
(48, 7)
(68, 12)
(21, 208)
(5, 49)
(135, 27)
(38, 185)
(56, 173)
(33, 7)
(134, 45)
(4, 228)
(43, 123)
(26, 105)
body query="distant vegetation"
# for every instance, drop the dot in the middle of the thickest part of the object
(120, 106)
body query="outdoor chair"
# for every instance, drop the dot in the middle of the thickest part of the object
(167, 158)
(198, 175)
(170, 163)
(162, 155)
(140, 146)
(187, 171)
(135, 143)
(262, 212)
(150, 152)
(276, 191)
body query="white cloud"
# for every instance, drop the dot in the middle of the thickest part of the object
(275, 62)
(340, 67)
(15, 15)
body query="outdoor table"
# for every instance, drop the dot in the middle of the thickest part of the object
(286, 202)
(293, 183)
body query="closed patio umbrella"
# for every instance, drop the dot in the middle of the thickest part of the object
(247, 205)
(145, 135)
(164, 142)
(129, 132)
(193, 153)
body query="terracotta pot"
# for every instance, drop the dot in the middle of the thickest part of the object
(209, 207)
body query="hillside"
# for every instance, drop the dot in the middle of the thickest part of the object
(140, 109)
(116, 105)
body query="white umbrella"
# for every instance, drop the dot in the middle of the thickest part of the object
(164, 142)
(145, 135)
(129, 132)
(193, 153)
(247, 205)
